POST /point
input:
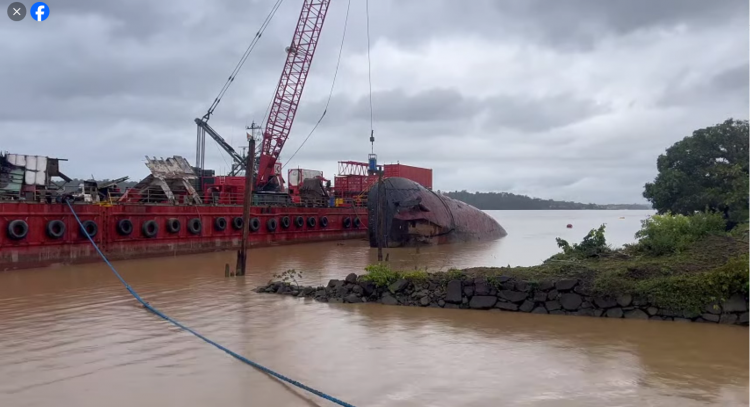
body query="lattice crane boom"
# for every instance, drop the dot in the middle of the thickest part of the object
(289, 90)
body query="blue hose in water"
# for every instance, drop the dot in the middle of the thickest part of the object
(167, 318)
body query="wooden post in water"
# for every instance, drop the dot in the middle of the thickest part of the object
(249, 170)
(381, 215)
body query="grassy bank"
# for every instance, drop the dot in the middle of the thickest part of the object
(678, 262)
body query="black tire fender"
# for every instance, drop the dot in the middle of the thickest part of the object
(194, 226)
(173, 225)
(272, 224)
(220, 224)
(237, 223)
(254, 224)
(18, 229)
(150, 228)
(124, 227)
(90, 227)
(55, 229)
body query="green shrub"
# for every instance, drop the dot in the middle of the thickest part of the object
(667, 234)
(593, 244)
(415, 276)
(380, 274)
(691, 292)
(454, 274)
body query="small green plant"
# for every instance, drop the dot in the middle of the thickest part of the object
(494, 280)
(415, 276)
(594, 244)
(382, 275)
(454, 274)
(290, 275)
(667, 234)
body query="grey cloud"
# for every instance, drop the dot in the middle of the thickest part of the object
(110, 62)
(397, 106)
(434, 104)
(571, 24)
(534, 115)
(584, 22)
(731, 83)
(449, 105)
(144, 20)
(733, 79)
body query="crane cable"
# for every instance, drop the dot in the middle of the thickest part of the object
(369, 65)
(249, 49)
(167, 318)
(333, 84)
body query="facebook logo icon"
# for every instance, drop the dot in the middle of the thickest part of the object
(39, 11)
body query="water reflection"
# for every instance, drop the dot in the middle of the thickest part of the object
(644, 354)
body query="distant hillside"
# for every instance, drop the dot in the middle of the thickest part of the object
(508, 201)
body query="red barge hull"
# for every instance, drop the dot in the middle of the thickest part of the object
(39, 249)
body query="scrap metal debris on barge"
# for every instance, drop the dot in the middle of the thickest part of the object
(414, 215)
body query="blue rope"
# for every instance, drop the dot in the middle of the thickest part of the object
(167, 318)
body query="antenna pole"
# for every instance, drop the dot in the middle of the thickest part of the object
(249, 170)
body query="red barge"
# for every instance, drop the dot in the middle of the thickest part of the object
(181, 209)
(161, 215)
(164, 215)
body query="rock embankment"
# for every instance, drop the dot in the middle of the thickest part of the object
(561, 297)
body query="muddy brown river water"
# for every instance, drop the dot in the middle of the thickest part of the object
(73, 336)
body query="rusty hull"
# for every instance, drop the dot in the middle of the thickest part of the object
(416, 216)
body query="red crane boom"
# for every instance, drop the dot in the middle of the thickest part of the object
(289, 90)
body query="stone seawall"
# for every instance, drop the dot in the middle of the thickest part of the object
(561, 297)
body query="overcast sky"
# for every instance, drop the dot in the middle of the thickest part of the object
(568, 99)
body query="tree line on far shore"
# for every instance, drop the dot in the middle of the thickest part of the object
(508, 201)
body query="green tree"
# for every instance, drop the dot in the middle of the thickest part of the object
(705, 171)
(594, 244)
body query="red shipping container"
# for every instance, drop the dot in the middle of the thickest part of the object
(423, 176)
(355, 183)
(341, 184)
(370, 181)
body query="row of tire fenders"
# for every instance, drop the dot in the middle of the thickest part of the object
(18, 229)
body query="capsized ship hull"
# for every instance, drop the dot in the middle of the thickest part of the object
(414, 215)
